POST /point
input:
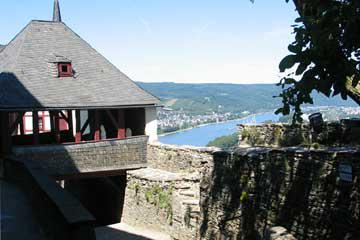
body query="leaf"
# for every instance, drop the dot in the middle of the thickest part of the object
(301, 68)
(287, 63)
(278, 111)
(299, 19)
(295, 48)
(289, 81)
(355, 80)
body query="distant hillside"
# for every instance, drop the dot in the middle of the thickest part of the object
(202, 98)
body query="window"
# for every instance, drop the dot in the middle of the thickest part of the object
(65, 70)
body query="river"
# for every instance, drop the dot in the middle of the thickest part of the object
(202, 135)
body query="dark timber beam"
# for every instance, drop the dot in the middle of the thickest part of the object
(78, 126)
(113, 120)
(57, 127)
(5, 135)
(35, 123)
(64, 117)
(52, 122)
(17, 121)
(22, 129)
(70, 121)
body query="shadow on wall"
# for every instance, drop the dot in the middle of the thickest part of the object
(102, 196)
(245, 194)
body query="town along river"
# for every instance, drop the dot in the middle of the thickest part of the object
(202, 135)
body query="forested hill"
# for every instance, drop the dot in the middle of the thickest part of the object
(201, 98)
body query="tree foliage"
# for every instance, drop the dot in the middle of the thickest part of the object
(324, 56)
(225, 142)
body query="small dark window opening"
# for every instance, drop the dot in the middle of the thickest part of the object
(65, 70)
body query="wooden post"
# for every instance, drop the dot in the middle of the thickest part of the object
(70, 122)
(97, 134)
(57, 128)
(22, 130)
(121, 124)
(5, 135)
(77, 126)
(35, 123)
(52, 122)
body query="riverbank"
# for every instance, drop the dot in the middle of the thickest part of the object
(212, 123)
(200, 136)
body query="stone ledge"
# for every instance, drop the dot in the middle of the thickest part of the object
(343, 133)
(253, 151)
(151, 174)
(209, 150)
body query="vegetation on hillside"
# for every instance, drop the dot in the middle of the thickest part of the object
(235, 98)
(225, 142)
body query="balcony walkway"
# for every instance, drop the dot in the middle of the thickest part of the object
(17, 220)
(108, 157)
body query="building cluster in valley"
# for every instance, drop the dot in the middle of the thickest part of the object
(173, 120)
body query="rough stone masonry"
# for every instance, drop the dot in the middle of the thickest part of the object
(259, 192)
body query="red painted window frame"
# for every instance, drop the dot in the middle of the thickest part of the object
(63, 124)
(69, 72)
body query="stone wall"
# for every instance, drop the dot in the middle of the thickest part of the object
(245, 193)
(275, 135)
(69, 159)
(252, 193)
(179, 158)
(163, 201)
(167, 193)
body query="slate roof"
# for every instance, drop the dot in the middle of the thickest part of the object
(29, 77)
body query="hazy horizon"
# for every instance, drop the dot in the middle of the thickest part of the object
(174, 41)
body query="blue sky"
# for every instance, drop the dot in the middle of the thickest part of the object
(187, 41)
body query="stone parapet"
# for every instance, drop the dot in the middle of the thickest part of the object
(179, 158)
(284, 135)
(71, 159)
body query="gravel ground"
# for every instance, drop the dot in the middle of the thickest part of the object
(122, 231)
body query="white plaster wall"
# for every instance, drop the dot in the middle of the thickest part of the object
(28, 122)
(151, 124)
(47, 122)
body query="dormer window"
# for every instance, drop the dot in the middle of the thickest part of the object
(65, 69)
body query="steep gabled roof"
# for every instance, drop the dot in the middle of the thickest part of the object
(28, 73)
